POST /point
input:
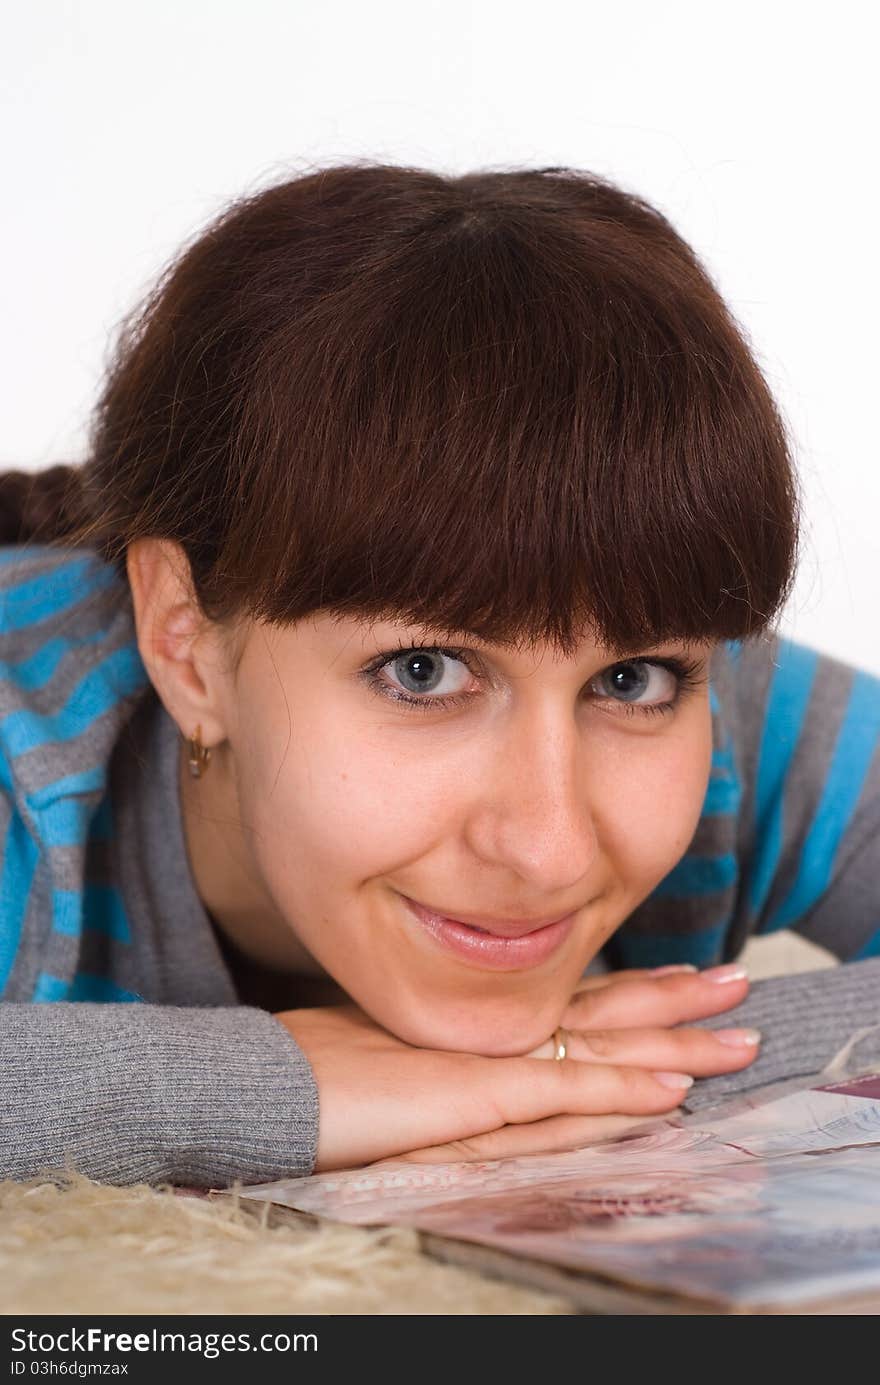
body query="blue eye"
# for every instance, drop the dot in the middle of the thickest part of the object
(421, 670)
(632, 680)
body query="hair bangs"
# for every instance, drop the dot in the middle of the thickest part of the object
(520, 438)
(511, 404)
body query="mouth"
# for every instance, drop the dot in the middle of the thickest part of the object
(495, 927)
(494, 944)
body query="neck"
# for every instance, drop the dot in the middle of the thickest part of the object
(274, 990)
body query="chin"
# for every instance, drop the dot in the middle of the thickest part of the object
(508, 1036)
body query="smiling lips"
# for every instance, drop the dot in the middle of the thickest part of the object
(497, 944)
(499, 928)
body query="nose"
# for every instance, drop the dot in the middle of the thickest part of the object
(534, 816)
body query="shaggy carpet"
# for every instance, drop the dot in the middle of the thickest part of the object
(69, 1245)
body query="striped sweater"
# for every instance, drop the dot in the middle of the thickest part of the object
(146, 1065)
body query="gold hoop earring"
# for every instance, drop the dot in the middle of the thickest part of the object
(197, 754)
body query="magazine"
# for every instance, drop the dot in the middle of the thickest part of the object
(769, 1203)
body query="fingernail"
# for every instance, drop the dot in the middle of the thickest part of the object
(667, 971)
(679, 1080)
(738, 1038)
(732, 972)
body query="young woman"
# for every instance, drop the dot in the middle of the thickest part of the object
(402, 649)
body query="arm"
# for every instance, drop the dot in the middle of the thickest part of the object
(129, 1092)
(806, 1019)
(132, 1092)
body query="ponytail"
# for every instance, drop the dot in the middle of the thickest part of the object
(40, 506)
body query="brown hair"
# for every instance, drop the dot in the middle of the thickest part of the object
(502, 403)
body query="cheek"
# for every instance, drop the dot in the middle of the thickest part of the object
(321, 802)
(647, 829)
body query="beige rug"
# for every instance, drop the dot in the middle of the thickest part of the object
(71, 1246)
(84, 1247)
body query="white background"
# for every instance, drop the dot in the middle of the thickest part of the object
(126, 126)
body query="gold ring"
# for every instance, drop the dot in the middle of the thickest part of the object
(560, 1043)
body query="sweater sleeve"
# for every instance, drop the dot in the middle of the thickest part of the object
(124, 1093)
(805, 1019)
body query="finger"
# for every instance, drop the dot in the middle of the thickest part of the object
(521, 1090)
(676, 998)
(538, 1137)
(700, 1052)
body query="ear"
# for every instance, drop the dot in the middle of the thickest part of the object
(182, 650)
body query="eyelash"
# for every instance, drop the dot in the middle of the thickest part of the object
(688, 674)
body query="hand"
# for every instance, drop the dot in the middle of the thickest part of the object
(381, 1098)
(636, 1004)
(624, 1018)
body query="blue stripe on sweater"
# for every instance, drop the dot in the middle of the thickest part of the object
(98, 908)
(724, 790)
(701, 949)
(787, 704)
(35, 599)
(698, 875)
(723, 797)
(84, 986)
(37, 669)
(854, 749)
(82, 781)
(17, 869)
(734, 650)
(64, 818)
(65, 823)
(118, 675)
(103, 828)
(870, 949)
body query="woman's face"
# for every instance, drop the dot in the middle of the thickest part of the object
(522, 786)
